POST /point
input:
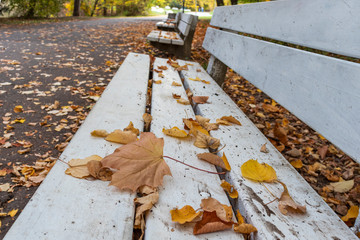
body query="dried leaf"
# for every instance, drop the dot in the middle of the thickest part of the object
(131, 128)
(4, 187)
(13, 212)
(229, 189)
(175, 132)
(280, 134)
(195, 79)
(222, 211)
(176, 96)
(78, 167)
(242, 227)
(194, 127)
(204, 141)
(139, 163)
(322, 151)
(176, 84)
(145, 204)
(297, 163)
(185, 214)
(159, 81)
(147, 120)
(213, 159)
(99, 133)
(18, 109)
(223, 122)
(294, 153)
(264, 149)
(162, 67)
(96, 170)
(352, 213)
(231, 119)
(260, 172)
(286, 203)
(210, 223)
(270, 108)
(343, 186)
(183, 101)
(123, 137)
(200, 99)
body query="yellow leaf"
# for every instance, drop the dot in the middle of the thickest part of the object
(13, 212)
(297, 163)
(99, 133)
(231, 119)
(175, 132)
(206, 82)
(184, 215)
(123, 137)
(227, 165)
(229, 189)
(158, 81)
(194, 127)
(176, 84)
(195, 79)
(222, 122)
(352, 213)
(18, 109)
(242, 227)
(131, 128)
(260, 172)
(19, 120)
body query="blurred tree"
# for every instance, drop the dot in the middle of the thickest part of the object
(76, 8)
(35, 8)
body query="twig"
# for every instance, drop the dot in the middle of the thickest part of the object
(203, 170)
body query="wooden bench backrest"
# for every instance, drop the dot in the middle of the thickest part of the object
(322, 91)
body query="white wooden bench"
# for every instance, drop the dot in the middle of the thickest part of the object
(178, 42)
(171, 23)
(68, 208)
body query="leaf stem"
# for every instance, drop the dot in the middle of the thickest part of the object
(63, 161)
(203, 170)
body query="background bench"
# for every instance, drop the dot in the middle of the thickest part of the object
(171, 23)
(65, 207)
(179, 42)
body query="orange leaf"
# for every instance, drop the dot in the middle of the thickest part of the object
(131, 128)
(231, 119)
(99, 133)
(123, 137)
(139, 163)
(18, 109)
(184, 215)
(286, 203)
(175, 132)
(183, 101)
(229, 189)
(242, 227)
(213, 159)
(176, 96)
(210, 223)
(194, 127)
(222, 211)
(297, 163)
(352, 213)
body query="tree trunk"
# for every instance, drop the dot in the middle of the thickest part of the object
(104, 9)
(234, 2)
(31, 10)
(76, 12)
(220, 3)
(92, 12)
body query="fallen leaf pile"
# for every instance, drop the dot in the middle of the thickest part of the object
(213, 217)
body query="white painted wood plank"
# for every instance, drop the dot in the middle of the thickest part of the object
(187, 186)
(327, 25)
(243, 143)
(164, 37)
(177, 40)
(323, 92)
(184, 28)
(153, 36)
(187, 18)
(65, 207)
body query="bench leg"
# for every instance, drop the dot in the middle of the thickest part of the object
(217, 70)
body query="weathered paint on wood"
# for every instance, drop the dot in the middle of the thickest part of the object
(184, 28)
(244, 143)
(65, 207)
(187, 186)
(331, 26)
(321, 91)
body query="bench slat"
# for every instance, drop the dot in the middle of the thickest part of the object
(300, 81)
(187, 18)
(184, 28)
(65, 207)
(187, 186)
(326, 25)
(244, 143)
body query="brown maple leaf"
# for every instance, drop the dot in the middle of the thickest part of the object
(139, 163)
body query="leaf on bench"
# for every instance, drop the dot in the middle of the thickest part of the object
(123, 137)
(131, 128)
(233, 193)
(242, 227)
(231, 119)
(185, 214)
(183, 101)
(214, 159)
(139, 163)
(176, 96)
(147, 120)
(286, 203)
(176, 84)
(175, 132)
(204, 141)
(210, 222)
(200, 99)
(78, 167)
(99, 133)
(260, 172)
(97, 171)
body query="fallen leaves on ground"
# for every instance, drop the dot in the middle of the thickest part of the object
(352, 213)
(138, 163)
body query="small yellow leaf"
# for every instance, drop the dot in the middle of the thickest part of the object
(242, 227)
(175, 132)
(260, 172)
(227, 165)
(204, 141)
(229, 189)
(13, 212)
(131, 128)
(19, 120)
(204, 81)
(176, 84)
(158, 81)
(195, 79)
(352, 213)
(123, 137)
(297, 163)
(223, 122)
(18, 109)
(184, 215)
(99, 133)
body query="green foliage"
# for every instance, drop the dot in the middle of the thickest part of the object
(35, 8)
